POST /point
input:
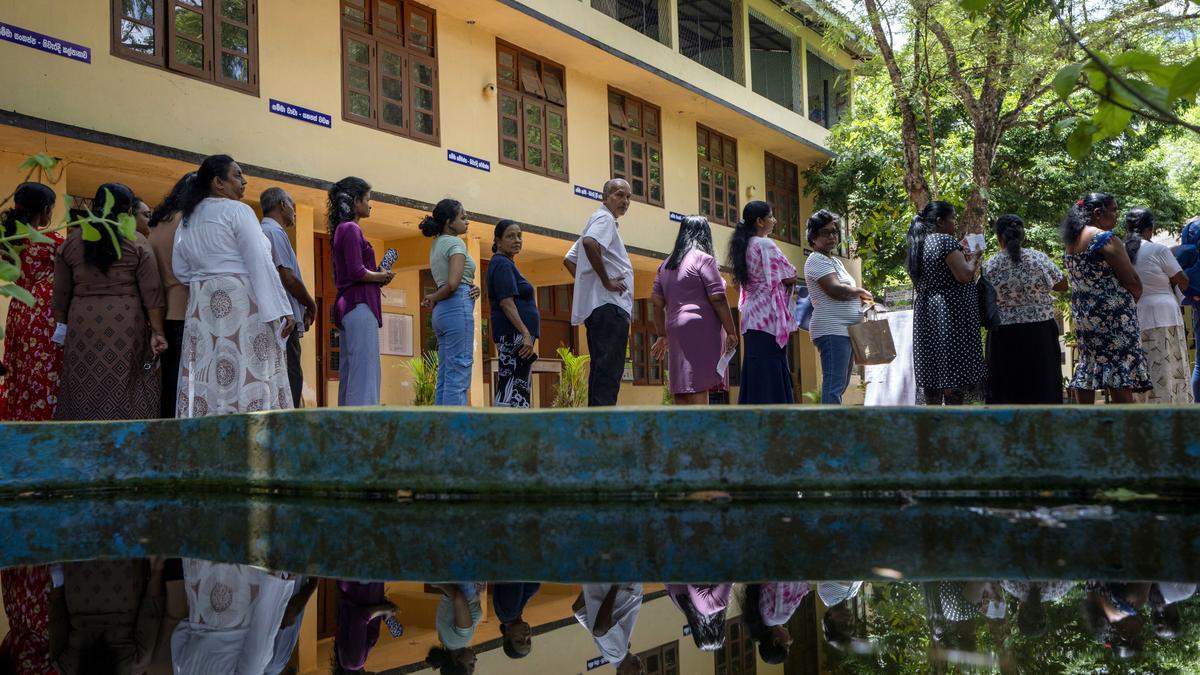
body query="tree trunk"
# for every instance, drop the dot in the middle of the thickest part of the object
(974, 215)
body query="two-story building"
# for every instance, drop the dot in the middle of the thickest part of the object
(521, 109)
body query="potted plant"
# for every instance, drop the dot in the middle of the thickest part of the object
(572, 389)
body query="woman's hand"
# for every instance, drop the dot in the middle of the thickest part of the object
(731, 342)
(382, 277)
(865, 295)
(158, 343)
(527, 342)
(659, 349)
(473, 292)
(428, 302)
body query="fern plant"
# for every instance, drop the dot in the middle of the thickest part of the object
(572, 389)
(424, 378)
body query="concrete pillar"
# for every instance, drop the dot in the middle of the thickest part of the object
(478, 396)
(668, 23)
(741, 42)
(302, 242)
(804, 77)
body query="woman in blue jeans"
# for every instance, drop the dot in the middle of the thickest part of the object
(453, 302)
(837, 304)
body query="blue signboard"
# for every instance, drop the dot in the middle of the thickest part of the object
(595, 663)
(45, 43)
(467, 160)
(589, 193)
(677, 217)
(303, 114)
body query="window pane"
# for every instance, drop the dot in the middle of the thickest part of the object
(142, 10)
(533, 114)
(506, 67)
(512, 150)
(509, 128)
(555, 142)
(235, 10)
(189, 24)
(359, 52)
(618, 144)
(562, 299)
(534, 155)
(639, 186)
(137, 37)
(393, 114)
(633, 116)
(190, 53)
(360, 78)
(715, 151)
(730, 153)
(651, 124)
(508, 105)
(235, 67)
(423, 99)
(636, 148)
(393, 65)
(423, 123)
(393, 89)
(554, 120)
(355, 16)
(558, 164)
(533, 135)
(358, 104)
(235, 39)
(618, 165)
(423, 73)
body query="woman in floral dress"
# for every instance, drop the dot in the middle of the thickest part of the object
(33, 361)
(1104, 291)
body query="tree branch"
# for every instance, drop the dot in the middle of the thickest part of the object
(964, 90)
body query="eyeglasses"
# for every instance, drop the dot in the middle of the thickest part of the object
(829, 232)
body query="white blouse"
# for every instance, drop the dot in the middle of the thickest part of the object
(1159, 304)
(223, 237)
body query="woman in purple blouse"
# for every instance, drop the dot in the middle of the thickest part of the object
(357, 312)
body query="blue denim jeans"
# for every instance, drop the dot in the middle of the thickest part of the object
(836, 361)
(454, 325)
(1196, 370)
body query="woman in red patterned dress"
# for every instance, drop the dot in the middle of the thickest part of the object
(30, 394)
(33, 361)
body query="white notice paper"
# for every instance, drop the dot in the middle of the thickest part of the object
(976, 242)
(723, 363)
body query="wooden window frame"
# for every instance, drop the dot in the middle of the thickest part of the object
(412, 55)
(535, 83)
(661, 651)
(712, 144)
(783, 193)
(166, 37)
(642, 326)
(620, 128)
(738, 639)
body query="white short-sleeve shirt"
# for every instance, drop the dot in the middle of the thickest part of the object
(613, 645)
(1159, 306)
(590, 293)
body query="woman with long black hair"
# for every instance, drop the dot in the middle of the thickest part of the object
(453, 303)
(1104, 292)
(1023, 356)
(765, 277)
(358, 311)
(947, 349)
(766, 609)
(106, 296)
(1159, 317)
(691, 311)
(238, 315)
(164, 225)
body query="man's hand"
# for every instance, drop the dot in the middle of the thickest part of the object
(310, 316)
(615, 285)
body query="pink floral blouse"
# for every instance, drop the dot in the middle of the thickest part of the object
(764, 298)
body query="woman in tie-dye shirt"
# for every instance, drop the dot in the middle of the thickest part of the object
(765, 277)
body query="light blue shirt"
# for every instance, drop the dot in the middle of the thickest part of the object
(284, 256)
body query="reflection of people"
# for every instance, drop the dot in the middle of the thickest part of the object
(1031, 613)
(603, 300)
(1164, 607)
(691, 311)
(610, 612)
(704, 607)
(104, 618)
(26, 647)
(509, 601)
(361, 608)
(766, 609)
(1111, 616)
(838, 623)
(458, 614)
(234, 613)
(289, 627)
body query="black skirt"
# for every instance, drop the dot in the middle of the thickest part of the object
(1024, 364)
(766, 377)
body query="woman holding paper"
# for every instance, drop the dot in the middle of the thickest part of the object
(837, 305)
(691, 310)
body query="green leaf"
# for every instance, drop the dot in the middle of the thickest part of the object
(1156, 95)
(17, 293)
(41, 159)
(109, 201)
(1096, 78)
(973, 6)
(90, 233)
(9, 271)
(127, 225)
(1079, 143)
(36, 236)
(1136, 60)
(1186, 83)
(1111, 118)
(1066, 79)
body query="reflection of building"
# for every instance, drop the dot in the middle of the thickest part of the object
(518, 108)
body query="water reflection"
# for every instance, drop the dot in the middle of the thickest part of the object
(189, 616)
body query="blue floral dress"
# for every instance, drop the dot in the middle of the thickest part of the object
(1106, 324)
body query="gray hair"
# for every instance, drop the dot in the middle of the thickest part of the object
(272, 198)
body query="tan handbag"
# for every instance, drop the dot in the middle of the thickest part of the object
(872, 340)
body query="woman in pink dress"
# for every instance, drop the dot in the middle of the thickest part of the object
(704, 607)
(766, 609)
(691, 310)
(34, 362)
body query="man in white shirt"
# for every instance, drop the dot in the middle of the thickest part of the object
(609, 612)
(603, 300)
(279, 211)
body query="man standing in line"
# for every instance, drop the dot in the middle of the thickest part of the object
(279, 211)
(603, 300)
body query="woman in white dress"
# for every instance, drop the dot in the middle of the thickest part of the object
(238, 314)
(1159, 315)
(234, 614)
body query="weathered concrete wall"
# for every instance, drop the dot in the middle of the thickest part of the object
(610, 540)
(619, 450)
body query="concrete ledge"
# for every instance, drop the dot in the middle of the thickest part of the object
(640, 450)
(609, 540)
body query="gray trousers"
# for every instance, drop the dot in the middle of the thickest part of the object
(359, 371)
